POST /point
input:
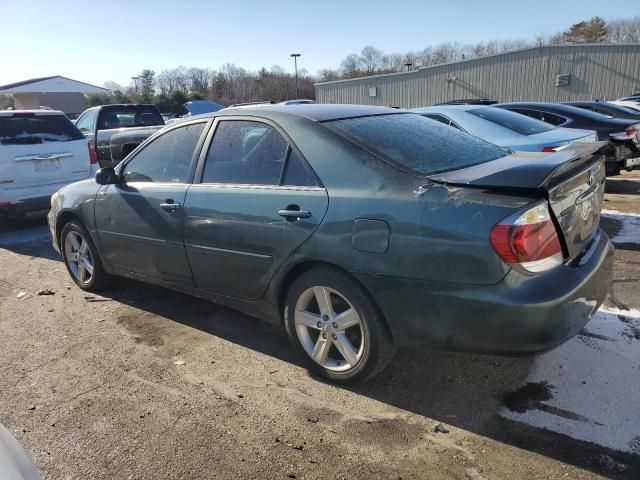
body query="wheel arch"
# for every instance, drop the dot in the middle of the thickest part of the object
(64, 218)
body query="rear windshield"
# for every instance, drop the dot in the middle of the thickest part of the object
(512, 120)
(622, 108)
(580, 112)
(133, 116)
(26, 129)
(417, 143)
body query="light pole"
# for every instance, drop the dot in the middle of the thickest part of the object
(295, 64)
(135, 83)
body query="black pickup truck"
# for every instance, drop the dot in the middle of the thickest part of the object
(115, 130)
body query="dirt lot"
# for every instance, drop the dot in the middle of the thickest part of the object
(144, 383)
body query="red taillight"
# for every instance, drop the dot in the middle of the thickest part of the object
(93, 155)
(549, 149)
(530, 240)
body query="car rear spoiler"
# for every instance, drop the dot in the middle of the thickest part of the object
(524, 171)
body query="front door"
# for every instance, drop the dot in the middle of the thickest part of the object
(257, 202)
(139, 220)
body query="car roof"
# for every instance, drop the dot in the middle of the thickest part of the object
(11, 113)
(316, 112)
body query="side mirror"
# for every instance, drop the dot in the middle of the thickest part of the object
(107, 176)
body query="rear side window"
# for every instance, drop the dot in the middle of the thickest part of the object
(417, 143)
(128, 116)
(245, 152)
(28, 129)
(167, 158)
(517, 122)
(297, 172)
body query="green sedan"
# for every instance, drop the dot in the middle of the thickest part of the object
(359, 229)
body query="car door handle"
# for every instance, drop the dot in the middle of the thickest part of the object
(294, 213)
(170, 207)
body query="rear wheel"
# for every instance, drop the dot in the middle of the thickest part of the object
(82, 259)
(334, 323)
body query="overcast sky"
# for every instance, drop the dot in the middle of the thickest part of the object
(98, 41)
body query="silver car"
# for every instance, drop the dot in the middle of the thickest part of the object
(506, 129)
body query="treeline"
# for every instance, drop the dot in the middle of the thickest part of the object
(373, 61)
(230, 84)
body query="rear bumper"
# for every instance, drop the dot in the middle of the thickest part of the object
(521, 314)
(17, 201)
(20, 207)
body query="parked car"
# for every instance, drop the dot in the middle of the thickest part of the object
(40, 152)
(507, 129)
(299, 101)
(630, 102)
(609, 109)
(359, 228)
(623, 151)
(469, 101)
(114, 131)
(15, 463)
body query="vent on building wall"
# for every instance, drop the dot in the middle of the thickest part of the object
(562, 80)
(373, 91)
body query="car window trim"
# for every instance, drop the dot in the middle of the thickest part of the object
(163, 131)
(197, 179)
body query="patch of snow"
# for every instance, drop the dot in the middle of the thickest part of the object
(630, 231)
(596, 376)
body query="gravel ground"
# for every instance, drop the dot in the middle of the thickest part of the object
(145, 383)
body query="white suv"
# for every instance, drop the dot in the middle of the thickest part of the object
(40, 152)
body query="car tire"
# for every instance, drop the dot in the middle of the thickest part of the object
(346, 340)
(81, 255)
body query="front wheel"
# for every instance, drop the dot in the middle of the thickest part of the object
(82, 259)
(332, 320)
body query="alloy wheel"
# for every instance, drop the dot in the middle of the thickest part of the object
(329, 328)
(78, 257)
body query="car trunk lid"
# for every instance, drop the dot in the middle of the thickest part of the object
(572, 180)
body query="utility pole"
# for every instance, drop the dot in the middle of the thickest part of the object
(295, 64)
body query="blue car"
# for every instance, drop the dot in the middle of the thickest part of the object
(506, 129)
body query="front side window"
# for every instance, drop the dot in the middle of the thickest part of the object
(245, 152)
(167, 158)
(417, 143)
(518, 120)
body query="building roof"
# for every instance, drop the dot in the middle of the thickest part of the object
(52, 84)
(476, 59)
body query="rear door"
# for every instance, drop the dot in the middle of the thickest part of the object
(41, 148)
(139, 220)
(257, 202)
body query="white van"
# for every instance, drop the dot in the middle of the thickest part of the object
(40, 152)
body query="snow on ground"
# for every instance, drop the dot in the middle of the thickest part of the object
(630, 231)
(588, 388)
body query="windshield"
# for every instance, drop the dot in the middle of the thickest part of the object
(512, 120)
(129, 116)
(417, 143)
(31, 129)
